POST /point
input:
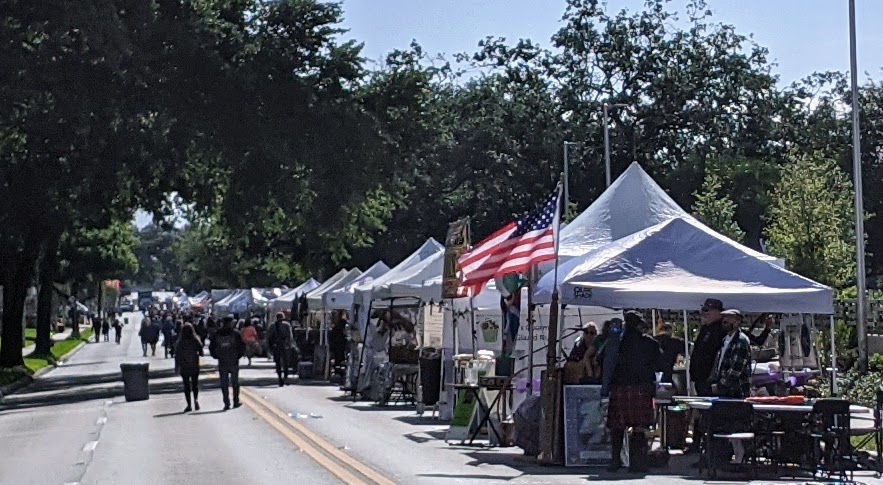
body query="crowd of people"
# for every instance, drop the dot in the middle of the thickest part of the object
(185, 335)
(629, 363)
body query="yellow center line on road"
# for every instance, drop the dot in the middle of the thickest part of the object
(302, 444)
(342, 457)
(316, 447)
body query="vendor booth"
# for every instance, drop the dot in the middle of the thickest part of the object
(676, 265)
(379, 307)
(312, 336)
(285, 302)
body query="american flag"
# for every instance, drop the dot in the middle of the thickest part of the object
(521, 244)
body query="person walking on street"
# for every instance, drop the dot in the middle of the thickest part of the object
(227, 347)
(96, 329)
(168, 337)
(117, 330)
(188, 349)
(250, 337)
(149, 334)
(280, 341)
(105, 328)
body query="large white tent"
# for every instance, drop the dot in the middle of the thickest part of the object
(633, 202)
(422, 280)
(316, 298)
(286, 301)
(363, 295)
(342, 298)
(236, 302)
(676, 265)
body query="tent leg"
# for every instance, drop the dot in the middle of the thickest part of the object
(687, 353)
(653, 316)
(472, 318)
(834, 389)
(362, 353)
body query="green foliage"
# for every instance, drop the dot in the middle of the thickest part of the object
(716, 209)
(810, 221)
(845, 341)
(861, 388)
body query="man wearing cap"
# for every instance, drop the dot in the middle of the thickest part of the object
(708, 342)
(732, 376)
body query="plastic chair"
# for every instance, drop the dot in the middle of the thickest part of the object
(830, 430)
(729, 420)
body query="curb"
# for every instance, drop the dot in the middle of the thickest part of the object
(27, 380)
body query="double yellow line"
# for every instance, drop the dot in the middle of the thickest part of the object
(341, 465)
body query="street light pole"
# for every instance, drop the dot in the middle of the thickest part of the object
(606, 145)
(860, 283)
(606, 107)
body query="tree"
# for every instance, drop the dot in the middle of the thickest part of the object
(716, 209)
(810, 221)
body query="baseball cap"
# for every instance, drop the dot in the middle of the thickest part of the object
(713, 304)
(732, 312)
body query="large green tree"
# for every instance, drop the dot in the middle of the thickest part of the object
(810, 220)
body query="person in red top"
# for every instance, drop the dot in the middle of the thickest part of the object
(250, 337)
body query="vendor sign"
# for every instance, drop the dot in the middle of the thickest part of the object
(456, 243)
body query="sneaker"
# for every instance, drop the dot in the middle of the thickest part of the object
(187, 409)
(237, 404)
(226, 407)
(196, 405)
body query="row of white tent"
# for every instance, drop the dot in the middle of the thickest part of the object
(634, 247)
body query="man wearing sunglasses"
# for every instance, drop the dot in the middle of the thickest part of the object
(708, 342)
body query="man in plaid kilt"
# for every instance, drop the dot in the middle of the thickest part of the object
(632, 391)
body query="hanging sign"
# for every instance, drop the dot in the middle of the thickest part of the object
(456, 243)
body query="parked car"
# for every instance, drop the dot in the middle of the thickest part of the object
(127, 307)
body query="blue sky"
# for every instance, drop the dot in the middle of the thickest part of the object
(802, 36)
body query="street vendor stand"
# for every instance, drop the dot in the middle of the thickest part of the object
(675, 265)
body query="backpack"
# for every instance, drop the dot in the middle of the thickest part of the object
(225, 346)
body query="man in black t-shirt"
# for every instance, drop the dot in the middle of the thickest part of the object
(672, 347)
(708, 343)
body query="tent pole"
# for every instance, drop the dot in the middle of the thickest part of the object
(687, 353)
(472, 320)
(834, 389)
(324, 336)
(454, 328)
(362, 352)
(653, 316)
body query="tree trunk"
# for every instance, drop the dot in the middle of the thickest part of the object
(19, 276)
(14, 294)
(75, 325)
(45, 298)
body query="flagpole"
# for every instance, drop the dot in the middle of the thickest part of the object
(550, 393)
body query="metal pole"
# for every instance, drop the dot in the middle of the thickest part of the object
(606, 145)
(566, 180)
(861, 304)
(833, 360)
(687, 353)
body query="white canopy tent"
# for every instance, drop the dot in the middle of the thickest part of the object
(676, 265)
(238, 301)
(363, 295)
(316, 298)
(422, 280)
(632, 203)
(342, 298)
(286, 301)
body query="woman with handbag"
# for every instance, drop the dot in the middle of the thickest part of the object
(188, 349)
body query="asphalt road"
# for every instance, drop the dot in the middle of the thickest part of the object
(73, 426)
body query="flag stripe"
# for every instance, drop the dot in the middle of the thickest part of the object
(514, 248)
(503, 253)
